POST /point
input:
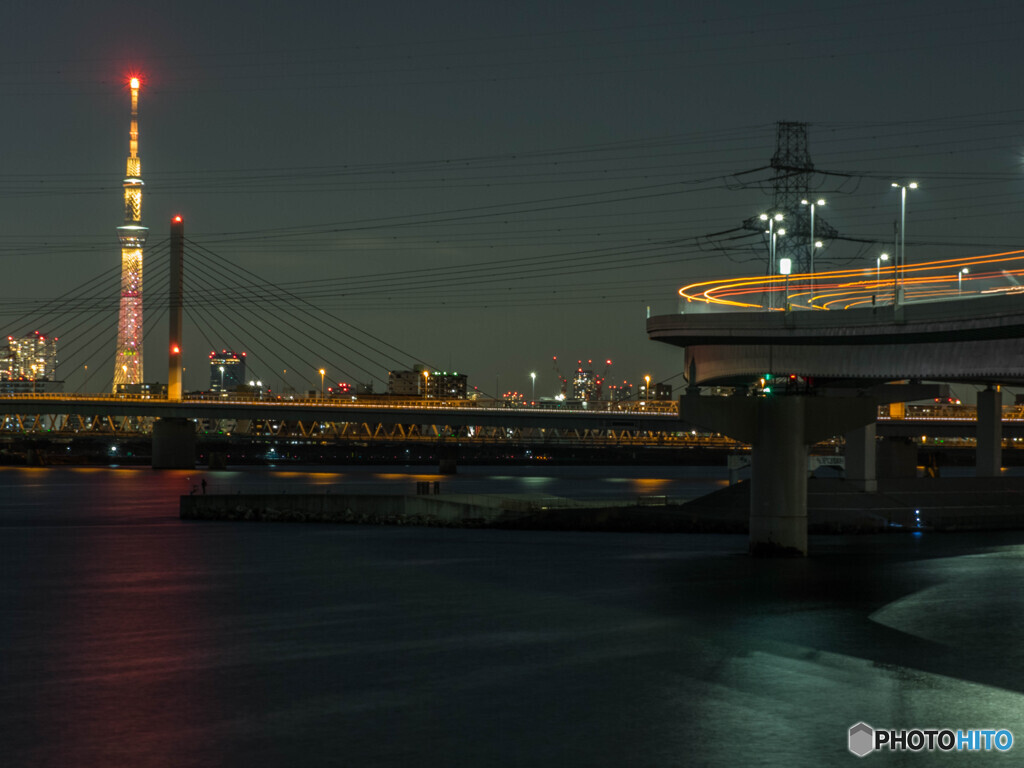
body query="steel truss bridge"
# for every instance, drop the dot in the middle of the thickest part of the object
(470, 422)
(654, 423)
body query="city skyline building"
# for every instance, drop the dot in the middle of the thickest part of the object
(28, 365)
(128, 364)
(227, 371)
(32, 357)
(422, 382)
(442, 384)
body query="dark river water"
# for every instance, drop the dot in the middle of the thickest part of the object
(130, 638)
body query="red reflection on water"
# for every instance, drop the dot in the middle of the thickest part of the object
(132, 646)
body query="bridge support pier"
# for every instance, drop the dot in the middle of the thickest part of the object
(860, 458)
(174, 444)
(989, 451)
(780, 430)
(778, 478)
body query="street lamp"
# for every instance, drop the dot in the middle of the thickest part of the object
(785, 267)
(647, 387)
(777, 234)
(771, 246)
(878, 269)
(901, 262)
(533, 387)
(959, 280)
(813, 243)
(222, 378)
(322, 372)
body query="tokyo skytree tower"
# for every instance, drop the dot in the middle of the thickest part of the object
(128, 360)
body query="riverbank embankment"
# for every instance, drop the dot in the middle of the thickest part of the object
(834, 506)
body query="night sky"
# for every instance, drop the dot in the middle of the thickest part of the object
(480, 186)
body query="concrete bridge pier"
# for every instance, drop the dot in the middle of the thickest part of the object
(989, 451)
(861, 458)
(174, 444)
(780, 429)
(778, 478)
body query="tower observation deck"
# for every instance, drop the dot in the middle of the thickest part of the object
(128, 359)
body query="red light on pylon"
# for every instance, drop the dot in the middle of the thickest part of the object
(175, 350)
(177, 219)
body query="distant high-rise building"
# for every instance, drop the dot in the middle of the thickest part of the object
(446, 385)
(406, 383)
(616, 392)
(422, 382)
(656, 391)
(227, 371)
(32, 358)
(128, 358)
(586, 385)
(29, 364)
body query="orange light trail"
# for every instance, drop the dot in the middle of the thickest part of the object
(869, 285)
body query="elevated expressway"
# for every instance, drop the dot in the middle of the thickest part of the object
(978, 340)
(837, 363)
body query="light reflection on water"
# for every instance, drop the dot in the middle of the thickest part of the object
(651, 485)
(139, 493)
(128, 637)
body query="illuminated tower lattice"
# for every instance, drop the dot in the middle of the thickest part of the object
(128, 362)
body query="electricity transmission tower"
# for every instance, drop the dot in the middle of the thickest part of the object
(790, 187)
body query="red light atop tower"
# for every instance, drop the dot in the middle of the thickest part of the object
(177, 219)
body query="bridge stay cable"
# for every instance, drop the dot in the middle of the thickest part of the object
(268, 329)
(85, 316)
(219, 275)
(204, 318)
(299, 300)
(299, 304)
(102, 331)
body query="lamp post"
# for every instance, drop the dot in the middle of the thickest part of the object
(222, 378)
(959, 280)
(647, 387)
(785, 267)
(813, 243)
(901, 259)
(777, 234)
(533, 387)
(771, 248)
(878, 269)
(322, 372)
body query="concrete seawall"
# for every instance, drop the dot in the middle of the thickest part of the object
(833, 507)
(453, 512)
(339, 508)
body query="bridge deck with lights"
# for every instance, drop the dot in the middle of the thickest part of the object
(980, 340)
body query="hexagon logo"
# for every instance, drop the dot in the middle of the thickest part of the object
(862, 739)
